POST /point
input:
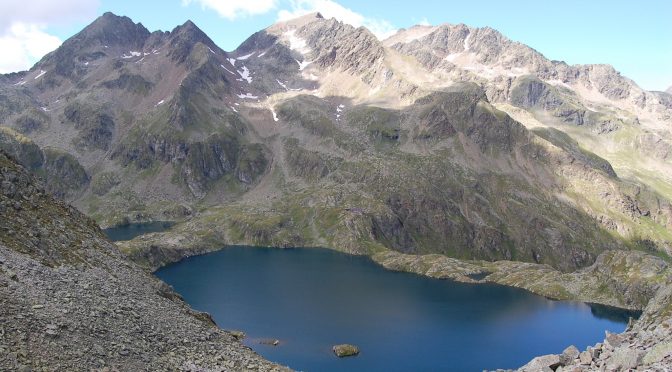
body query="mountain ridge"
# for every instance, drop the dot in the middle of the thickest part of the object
(447, 154)
(171, 124)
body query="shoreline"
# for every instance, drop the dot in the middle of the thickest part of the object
(155, 250)
(625, 280)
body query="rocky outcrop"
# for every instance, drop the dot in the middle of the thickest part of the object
(95, 127)
(64, 177)
(531, 93)
(70, 300)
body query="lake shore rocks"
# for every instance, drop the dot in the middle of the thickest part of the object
(645, 346)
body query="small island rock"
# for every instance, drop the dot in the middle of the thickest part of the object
(345, 350)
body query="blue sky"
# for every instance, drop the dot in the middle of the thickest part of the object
(634, 36)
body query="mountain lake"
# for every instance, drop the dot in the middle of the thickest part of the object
(311, 299)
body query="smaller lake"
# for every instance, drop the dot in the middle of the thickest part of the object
(130, 231)
(312, 299)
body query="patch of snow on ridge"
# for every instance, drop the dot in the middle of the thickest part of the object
(303, 64)
(131, 55)
(246, 56)
(297, 43)
(232, 61)
(467, 45)
(275, 116)
(559, 83)
(281, 84)
(159, 103)
(211, 51)
(229, 71)
(245, 74)
(262, 54)
(247, 96)
(42, 72)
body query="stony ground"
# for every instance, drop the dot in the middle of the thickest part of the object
(70, 301)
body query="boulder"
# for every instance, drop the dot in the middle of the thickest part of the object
(586, 357)
(568, 356)
(345, 350)
(542, 363)
(625, 359)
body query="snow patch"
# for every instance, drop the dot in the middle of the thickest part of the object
(211, 51)
(159, 103)
(20, 83)
(232, 61)
(467, 45)
(262, 54)
(297, 43)
(247, 96)
(559, 83)
(282, 84)
(275, 116)
(452, 57)
(42, 72)
(131, 55)
(229, 71)
(44, 108)
(303, 64)
(245, 74)
(246, 56)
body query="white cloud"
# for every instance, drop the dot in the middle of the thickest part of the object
(232, 9)
(424, 22)
(45, 11)
(27, 43)
(23, 24)
(331, 9)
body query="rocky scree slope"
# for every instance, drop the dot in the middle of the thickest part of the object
(69, 300)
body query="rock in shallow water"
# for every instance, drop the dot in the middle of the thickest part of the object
(345, 350)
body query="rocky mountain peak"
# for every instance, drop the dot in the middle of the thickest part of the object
(669, 90)
(183, 39)
(192, 33)
(111, 30)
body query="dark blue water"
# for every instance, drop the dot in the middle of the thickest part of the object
(311, 299)
(128, 232)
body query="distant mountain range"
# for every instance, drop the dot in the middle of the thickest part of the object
(441, 139)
